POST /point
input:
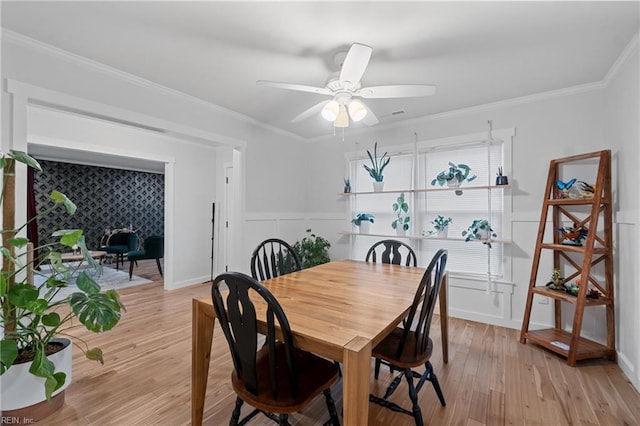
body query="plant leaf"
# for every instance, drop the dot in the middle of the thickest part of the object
(51, 320)
(60, 198)
(68, 237)
(97, 312)
(8, 354)
(18, 242)
(87, 284)
(21, 295)
(95, 354)
(38, 307)
(24, 158)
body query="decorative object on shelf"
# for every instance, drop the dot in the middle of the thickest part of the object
(441, 224)
(573, 235)
(563, 188)
(585, 190)
(363, 221)
(500, 178)
(401, 209)
(313, 250)
(454, 176)
(480, 229)
(347, 185)
(557, 281)
(377, 167)
(30, 315)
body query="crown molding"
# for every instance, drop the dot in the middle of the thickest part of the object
(622, 59)
(20, 39)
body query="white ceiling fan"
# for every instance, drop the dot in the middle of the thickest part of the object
(346, 86)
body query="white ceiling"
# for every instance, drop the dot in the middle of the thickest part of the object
(475, 52)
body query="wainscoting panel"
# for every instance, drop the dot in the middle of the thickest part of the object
(106, 199)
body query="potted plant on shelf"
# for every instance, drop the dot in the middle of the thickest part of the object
(401, 209)
(454, 176)
(363, 221)
(480, 229)
(313, 250)
(377, 167)
(35, 364)
(441, 224)
(347, 185)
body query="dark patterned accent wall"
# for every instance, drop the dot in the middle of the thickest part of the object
(106, 199)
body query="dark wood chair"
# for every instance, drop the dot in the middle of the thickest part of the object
(276, 379)
(409, 346)
(272, 258)
(392, 251)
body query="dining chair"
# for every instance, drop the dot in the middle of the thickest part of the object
(153, 248)
(410, 346)
(276, 378)
(392, 251)
(274, 257)
(119, 243)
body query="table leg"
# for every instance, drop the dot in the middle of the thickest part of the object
(444, 319)
(203, 321)
(355, 381)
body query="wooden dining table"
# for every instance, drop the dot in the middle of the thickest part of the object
(339, 310)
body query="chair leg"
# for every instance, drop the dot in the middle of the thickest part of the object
(376, 371)
(417, 413)
(159, 267)
(130, 270)
(283, 420)
(331, 406)
(434, 381)
(236, 412)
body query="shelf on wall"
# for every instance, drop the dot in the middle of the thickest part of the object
(411, 191)
(423, 237)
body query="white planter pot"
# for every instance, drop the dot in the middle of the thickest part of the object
(453, 183)
(20, 389)
(400, 231)
(442, 233)
(484, 234)
(365, 227)
(378, 186)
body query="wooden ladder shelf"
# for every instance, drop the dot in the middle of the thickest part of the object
(591, 263)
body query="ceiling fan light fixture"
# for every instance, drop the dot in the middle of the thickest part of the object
(331, 111)
(343, 118)
(357, 110)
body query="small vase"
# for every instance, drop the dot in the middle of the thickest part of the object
(442, 233)
(378, 186)
(483, 233)
(365, 227)
(400, 231)
(453, 183)
(502, 180)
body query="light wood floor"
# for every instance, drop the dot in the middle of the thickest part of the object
(491, 379)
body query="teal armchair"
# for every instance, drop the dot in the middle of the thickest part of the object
(153, 248)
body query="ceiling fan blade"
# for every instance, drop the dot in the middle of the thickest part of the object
(355, 63)
(370, 119)
(298, 87)
(396, 91)
(311, 111)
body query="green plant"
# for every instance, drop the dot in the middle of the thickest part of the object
(455, 171)
(440, 222)
(362, 216)
(32, 315)
(401, 209)
(347, 185)
(313, 250)
(377, 164)
(474, 230)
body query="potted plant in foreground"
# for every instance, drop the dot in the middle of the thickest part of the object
(401, 209)
(363, 221)
(454, 176)
(480, 229)
(441, 224)
(377, 166)
(33, 317)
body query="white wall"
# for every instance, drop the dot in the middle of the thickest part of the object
(622, 130)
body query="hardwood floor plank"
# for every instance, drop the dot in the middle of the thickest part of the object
(491, 378)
